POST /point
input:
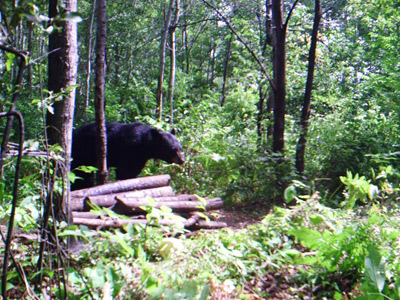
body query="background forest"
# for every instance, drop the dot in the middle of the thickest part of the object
(340, 236)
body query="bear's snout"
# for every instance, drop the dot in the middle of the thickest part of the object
(179, 158)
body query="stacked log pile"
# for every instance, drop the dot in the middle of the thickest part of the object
(129, 197)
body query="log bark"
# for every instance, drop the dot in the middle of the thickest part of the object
(133, 206)
(202, 224)
(124, 186)
(78, 204)
(110, 200)
(118, 223)
(177, 198)
(84, 215)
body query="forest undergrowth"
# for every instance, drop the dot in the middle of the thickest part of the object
(303, 249)
(331, 232)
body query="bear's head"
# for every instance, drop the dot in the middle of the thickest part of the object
(168, 147)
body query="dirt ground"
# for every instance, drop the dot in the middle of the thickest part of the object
(278, 284)
(237, 217)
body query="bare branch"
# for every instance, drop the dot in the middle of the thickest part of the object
(226, 20)
(290, 14)
(19, 53)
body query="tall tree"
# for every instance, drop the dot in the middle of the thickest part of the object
(89, 59)
(305, 114)
(101, 40)
(226, 68)
(163, 49)
(279, 75)
(278, 83)
(62, 73)
(172, 75)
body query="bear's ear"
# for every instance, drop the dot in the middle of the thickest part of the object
(155, 133)
(173, 131)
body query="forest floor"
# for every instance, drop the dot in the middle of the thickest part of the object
(238, 217)
(278, 284)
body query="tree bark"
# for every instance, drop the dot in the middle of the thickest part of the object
(185, 39)
(89, 60)
(305, 114)
(203, 224)
(124, 186)
(101, 40)
(133, 206)
(163, 47)
(62, 73)
(226, 68)
(279, 77)
(78, 204)
(118, 223)
(110, 200)
(172, 76)
(271, 41)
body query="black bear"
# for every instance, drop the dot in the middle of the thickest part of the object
(129, 146)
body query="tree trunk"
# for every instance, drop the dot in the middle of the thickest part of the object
(305, 114)
(226, 68)
(270, 40)
(89, 60)
(211, 64)
(163, 47)
(101, 40)
(30, 50)
(62, 73)
(185, 39)
(171, 86)
(279, 77)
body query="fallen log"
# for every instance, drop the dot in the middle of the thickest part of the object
(203, 224)
(193, 223)
(128, 207)
(193, 218)
(176, 198)
(124, 186)
(118, 223)
(77, 204)
(110, 200)
(84, 215)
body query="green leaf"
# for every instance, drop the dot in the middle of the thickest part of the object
(316, 219)
(374, 269)
(205, 292)
(87, 169)
(309, 238)
(10, 61)
(290, 193)
(397, 289)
